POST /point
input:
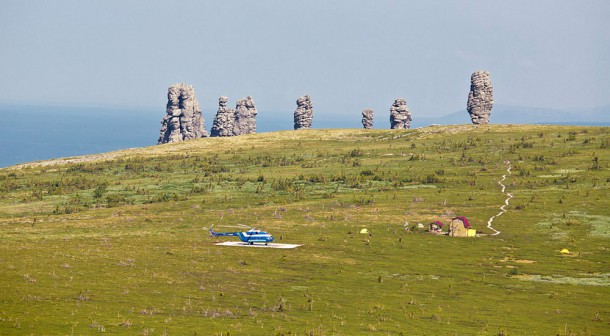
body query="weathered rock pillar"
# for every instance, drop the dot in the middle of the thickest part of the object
(223, 121)
(245, 117)
(183, 119)
(400, 117)
(367, 119)
(480, 98)
(303, 115)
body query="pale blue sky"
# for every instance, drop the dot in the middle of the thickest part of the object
(348, 55)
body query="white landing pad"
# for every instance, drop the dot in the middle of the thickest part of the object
(270, 245)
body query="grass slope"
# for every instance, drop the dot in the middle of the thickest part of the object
(114, 244)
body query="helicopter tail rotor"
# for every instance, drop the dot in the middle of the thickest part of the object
(212, 233)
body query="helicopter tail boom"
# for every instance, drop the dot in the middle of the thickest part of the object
(223, 234)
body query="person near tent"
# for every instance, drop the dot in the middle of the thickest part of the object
(436, 227)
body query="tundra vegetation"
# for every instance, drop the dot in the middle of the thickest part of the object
(113, 243)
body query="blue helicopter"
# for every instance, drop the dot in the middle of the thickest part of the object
(250, 237)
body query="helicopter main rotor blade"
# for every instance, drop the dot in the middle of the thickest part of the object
(233, 226)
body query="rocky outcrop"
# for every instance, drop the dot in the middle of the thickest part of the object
(245, 117)
(183, 119)
(367, 119)
(303, 115)
(400, 117)
(223, 122)
(480, 98)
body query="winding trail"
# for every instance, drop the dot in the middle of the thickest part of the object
(502, 208)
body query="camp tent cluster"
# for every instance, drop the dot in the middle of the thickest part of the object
(458, 227)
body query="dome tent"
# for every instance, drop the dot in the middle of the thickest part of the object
(459, 227)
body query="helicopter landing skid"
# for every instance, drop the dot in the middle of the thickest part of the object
(269, 245)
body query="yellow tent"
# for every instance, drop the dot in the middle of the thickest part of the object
(565, 251)
(364, 231)
(459, 227)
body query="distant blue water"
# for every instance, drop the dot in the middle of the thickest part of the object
(31, 133)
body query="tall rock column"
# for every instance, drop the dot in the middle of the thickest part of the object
(303, 115)
(400, 117)
(367, 119)
(223, 122)
(183, 119)
(245, 117)
(480, 98)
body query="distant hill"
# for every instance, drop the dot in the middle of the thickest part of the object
(508, 114)
(501, 114)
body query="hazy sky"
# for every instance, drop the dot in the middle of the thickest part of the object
(348, 55)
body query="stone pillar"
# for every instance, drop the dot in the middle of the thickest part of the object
(367, 119)
(303, 115)
(400, 117)
(245, 117)
(183, 119)
(480, 98)
(223, 122)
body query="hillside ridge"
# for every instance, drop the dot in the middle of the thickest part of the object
(347, 134)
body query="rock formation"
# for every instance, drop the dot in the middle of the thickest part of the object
(183, 119)
(400, 117)
(303, 115)
(480, 98)
(367, 119)
(245, 117)
(223, 122)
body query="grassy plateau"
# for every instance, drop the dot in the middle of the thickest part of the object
(115, 243)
